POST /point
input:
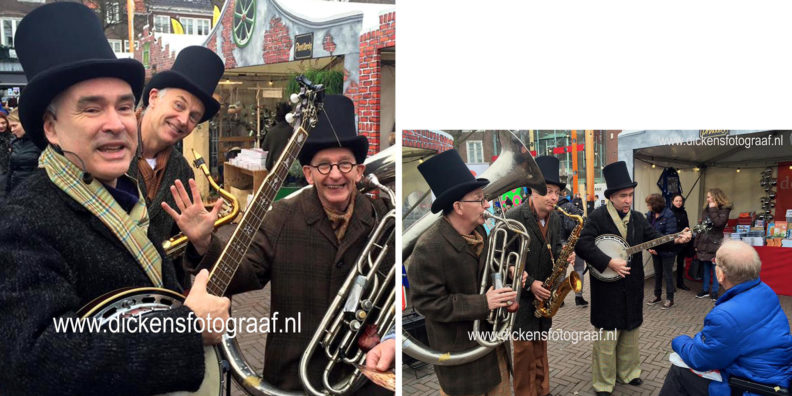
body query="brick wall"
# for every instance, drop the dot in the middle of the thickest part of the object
(366, 92)
(427, 139)
(277, 42)
(227, 22)
(160, 58)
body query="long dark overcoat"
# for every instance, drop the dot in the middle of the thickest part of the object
(619, 304)
(55, 257)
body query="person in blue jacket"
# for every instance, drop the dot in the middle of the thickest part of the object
(664, 222)
(745, 335)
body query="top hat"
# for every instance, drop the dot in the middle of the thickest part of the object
(617, 178)
(335, 128)
(196, 70)
(549, 167)
(59, 45)
(449, 178)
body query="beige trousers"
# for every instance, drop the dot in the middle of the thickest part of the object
(615, 359)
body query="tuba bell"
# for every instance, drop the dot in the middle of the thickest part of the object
(515, 167)
(367, 297)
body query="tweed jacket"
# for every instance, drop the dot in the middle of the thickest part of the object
(538, 265)
(619, 304)
(297, 250)
(55, 257)
(161, 225)
(445, 277)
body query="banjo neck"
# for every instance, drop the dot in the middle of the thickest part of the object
(650, 244)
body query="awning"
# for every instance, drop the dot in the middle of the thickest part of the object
(13, 79)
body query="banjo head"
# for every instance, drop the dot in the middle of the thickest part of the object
(615, 247)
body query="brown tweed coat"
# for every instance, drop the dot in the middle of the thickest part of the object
(445, 277)
(297, 250)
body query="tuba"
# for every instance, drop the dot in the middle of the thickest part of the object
(515, 167)
(175, 246)
(365, 300)
(558, 290)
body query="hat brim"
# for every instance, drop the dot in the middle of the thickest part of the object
(45, 86)
(173, 79)
(453, 194)
(610, 191)
(561, 186)
(358, 144)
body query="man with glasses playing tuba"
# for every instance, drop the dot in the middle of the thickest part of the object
(445, 270)
(531, 369)
(308, 245)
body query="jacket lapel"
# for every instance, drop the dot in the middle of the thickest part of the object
(359, 225)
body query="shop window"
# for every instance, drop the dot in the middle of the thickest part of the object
(475, 152)
(195, 26)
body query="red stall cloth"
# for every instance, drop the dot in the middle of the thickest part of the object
(776, 268)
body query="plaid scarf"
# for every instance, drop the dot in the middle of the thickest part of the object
(339, 221)
(131, 229)
(475, 241)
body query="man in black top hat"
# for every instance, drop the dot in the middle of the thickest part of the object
(543, 223)
(308, 244)
(617, 306)
(445, 270)
(77, 228)
(175, 101)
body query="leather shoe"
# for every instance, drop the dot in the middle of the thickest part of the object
(603, 393)
(636, 382)
(683, 287)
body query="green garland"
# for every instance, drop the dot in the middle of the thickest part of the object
(332, 80)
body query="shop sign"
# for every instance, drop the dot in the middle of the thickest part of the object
(303, 46)
(712, 133)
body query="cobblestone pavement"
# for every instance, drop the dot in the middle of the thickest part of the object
(570, 363)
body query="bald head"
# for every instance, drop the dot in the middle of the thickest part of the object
(738, 261)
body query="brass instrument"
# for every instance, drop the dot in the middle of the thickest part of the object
(515, 167)
(500, 256)
(175, 246)
(365, 299)
(380, 298)
(558, 290)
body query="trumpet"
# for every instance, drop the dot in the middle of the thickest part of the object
(176, 245)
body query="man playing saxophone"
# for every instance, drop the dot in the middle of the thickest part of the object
(531, 370)
(444, 271)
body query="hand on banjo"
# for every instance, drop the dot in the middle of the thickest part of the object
(619, 266)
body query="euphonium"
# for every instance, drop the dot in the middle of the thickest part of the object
(515, 167)
(558, 290)
(502, 254)
(178, 243)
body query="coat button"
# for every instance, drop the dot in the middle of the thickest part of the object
(339, 264)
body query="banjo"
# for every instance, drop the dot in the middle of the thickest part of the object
(135, 303)
(616, 247)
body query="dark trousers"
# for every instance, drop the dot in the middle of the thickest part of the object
(680, 276)
(683, 382)
(664, 267)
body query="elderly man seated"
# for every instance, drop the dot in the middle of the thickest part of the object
(745, 335)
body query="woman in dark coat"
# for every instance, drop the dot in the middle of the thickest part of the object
(664, 222)
(24, 154)
(686, 250)
(5, 147)
(717, 211)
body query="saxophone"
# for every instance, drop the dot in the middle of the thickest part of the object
(558, 290)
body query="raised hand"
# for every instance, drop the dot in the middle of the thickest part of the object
(192, 218)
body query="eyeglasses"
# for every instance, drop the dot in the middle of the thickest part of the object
(325, 168)
(482, 201)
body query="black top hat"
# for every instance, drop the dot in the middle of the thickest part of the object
(617, 178)
(59, 45)
(196, 70)
(449, 178)
(339, 116)
(549, 167)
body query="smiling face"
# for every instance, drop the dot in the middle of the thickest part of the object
(95, 120)
(171, 115)
(335, 189)
(678, 201)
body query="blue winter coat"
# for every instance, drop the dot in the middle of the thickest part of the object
(746, 335)
(665, 224)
